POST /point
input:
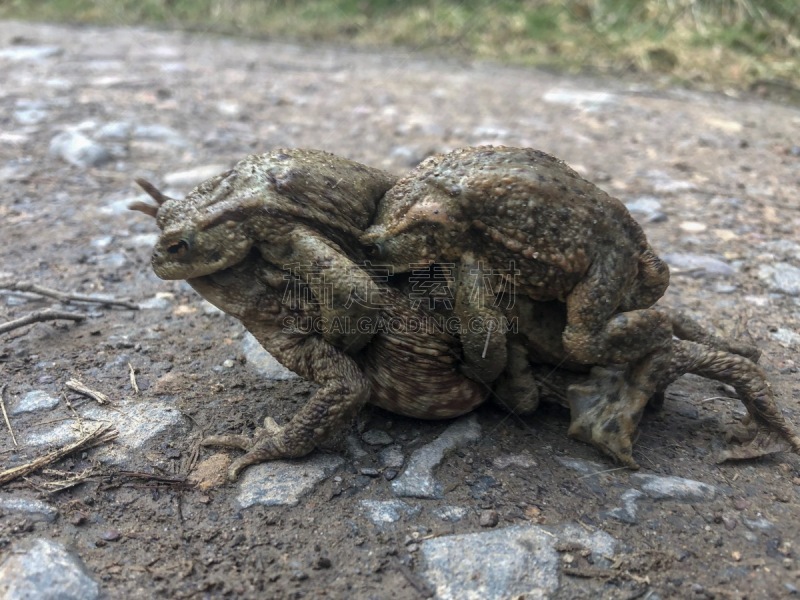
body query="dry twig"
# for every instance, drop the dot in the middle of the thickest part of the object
(133, 380)
(66, 479)
(40, 316)
(5, 414)
(27, 286)
(102, 435)
(77, 386)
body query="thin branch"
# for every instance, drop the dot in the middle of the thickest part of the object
(27, 286)
(102, 435)
(40, 316)
(81, 388)
(5, 414)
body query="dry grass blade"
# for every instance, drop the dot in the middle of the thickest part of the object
(134, 385)
(27, 286)
(65, 479)
(40, 316)
(180, 480)
(77, 386)
(102, 435)
(5, 414)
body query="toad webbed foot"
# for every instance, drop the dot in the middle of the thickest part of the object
(605, 412)
(267, 443)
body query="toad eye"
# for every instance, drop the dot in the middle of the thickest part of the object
(179, 248)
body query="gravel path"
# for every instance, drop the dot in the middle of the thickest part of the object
(489, 506)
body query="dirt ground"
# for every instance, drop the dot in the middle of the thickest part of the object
(715, 183)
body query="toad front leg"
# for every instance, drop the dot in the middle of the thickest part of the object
(343, 391)
(348, 298)
(482, 323)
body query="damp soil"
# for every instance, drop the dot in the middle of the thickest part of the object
(719, 179)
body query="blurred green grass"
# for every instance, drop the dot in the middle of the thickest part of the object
(711, 44)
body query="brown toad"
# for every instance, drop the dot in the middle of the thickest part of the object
(301, 208)
(410, 366)
(517, 216)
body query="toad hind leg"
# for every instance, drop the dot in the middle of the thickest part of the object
(343, 390)
(770, 432)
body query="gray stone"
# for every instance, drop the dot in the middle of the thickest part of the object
(664, 184)
(407, 156)
(354, 448)
(759, 523)
(284, 482)
(451, 514)
(137, 423)
(417, 480)
(46, 571)
(78, 150)
(674, 488)
(120, 206)
(602, 545)
(392, 457)
(159, 133)
(34, 53)
(786, 338)
(491, 132)
(191, 177)
(384, 512)
(33, 401)
(31, 508)
(161, 301)
(781, 277)
(517, 561)
(143, 240)
(700, 265)
(523, 460)
(116, 130)
(113, 260)
(579, 98)
(783, 248)
(262, 361)
(376, 437)
(647, 208)
(30, 116)
(627, 512)
(585, 467)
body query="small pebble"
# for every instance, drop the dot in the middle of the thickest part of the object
(322, 562)
(376, 437)
(693, 226)
(489, 518)
(111, 535)
(369, 471)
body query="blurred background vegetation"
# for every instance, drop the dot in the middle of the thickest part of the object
(724, 45)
